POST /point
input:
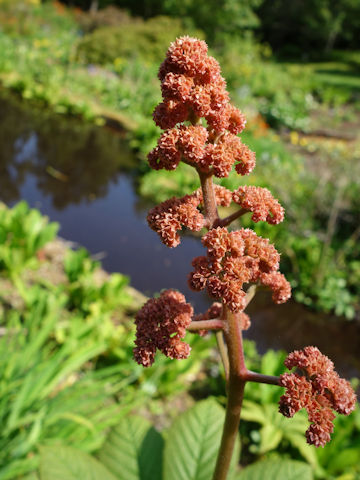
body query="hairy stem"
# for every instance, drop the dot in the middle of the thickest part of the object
(236, 385)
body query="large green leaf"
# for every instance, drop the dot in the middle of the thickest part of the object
(193, 441)
(276, 470)
(60, 463)
(133, 450)
(270, 437)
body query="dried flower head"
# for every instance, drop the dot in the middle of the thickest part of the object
(170, 216)
(233, 259)
(192, 87)
(161, 324)
(221, 156)
(319, 390)
(261, 202)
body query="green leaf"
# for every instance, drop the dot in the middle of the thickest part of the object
(133, 450)
(344, 459)
(252, 412)
(193, 441)
(270, 437)
(298, 440)
(276, 470)
(60, 463)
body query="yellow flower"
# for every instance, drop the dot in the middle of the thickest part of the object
(294, 138)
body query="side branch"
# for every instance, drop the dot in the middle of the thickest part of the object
(261, 378)
(227, 220)
(250, 294)
(213, 324)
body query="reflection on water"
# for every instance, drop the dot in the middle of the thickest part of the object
(80, 176)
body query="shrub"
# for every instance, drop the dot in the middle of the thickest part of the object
(147, 40)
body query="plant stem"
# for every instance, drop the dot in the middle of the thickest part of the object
(236, 385)
(210, 208)
(250, 294)
(227, 220)
(260, 378)
(223, 353)
(213, 324)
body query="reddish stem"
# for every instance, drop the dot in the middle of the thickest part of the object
(227, 220)
(210, 208)
(260, 378)
(236, 385)
(213, 324)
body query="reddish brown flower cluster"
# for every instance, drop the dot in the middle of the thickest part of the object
(235, 258)
(192, 87)
(261, 202)
(170, 216)
(319, 390)
(161, 324)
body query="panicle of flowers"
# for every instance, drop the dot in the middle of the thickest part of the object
(170, 216)
(261, 202)
(161, 324)
(319, 390)
(236, 258)
(193, 88)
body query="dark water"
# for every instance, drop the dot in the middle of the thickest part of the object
(81, 176)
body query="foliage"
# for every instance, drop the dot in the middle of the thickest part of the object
(22, 233)
(50, 392)
(269, 437)
(45, 58)
(146, 40)
(309, 26)
(66, 367)
(134, 450)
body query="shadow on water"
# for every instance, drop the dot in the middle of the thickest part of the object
(80, 176)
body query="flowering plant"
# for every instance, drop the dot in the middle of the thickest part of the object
(201, 129)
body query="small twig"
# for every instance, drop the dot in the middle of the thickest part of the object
(213, 324)
(227, 220)
(260, 378)
(250, 294)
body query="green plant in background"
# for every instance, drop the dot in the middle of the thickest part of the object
(67, 374)
(187, 450)
(66, 335)
(50, 391)
(22, 233)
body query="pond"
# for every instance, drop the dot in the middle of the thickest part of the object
(81, 176)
